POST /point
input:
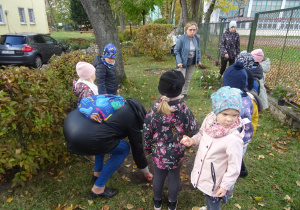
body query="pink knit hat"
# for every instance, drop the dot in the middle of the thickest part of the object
(85, 70)
(258, 55)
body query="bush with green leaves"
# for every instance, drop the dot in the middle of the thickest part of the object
(160, 21)
(208, 78)
(33, 107)
(152, 40)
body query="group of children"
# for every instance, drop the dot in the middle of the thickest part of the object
(170, 127)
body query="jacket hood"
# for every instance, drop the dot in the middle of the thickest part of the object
(257, 72)
(266, 64)
(97, 60)
(139, 110)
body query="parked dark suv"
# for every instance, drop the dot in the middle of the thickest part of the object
(28, 49)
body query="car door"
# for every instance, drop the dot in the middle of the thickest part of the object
(39, 45)
(52, 46)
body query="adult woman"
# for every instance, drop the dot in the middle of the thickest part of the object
(87, 137)
(187, 52)
(229, 46)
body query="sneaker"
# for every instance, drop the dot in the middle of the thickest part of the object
(172, 205)
(230, 193)
(203, 208)
(157, 204)
(108, 192)
(94, 178)
(244, 173)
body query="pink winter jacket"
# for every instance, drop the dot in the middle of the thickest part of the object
(226, 155)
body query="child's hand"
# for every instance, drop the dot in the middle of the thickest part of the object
(148, 176)
(220, 192)
(187, 141)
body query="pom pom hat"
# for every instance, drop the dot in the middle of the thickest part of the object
(258, 55)
(109, 51)
(226, 98)
(85, 70)
(171, 83)
(232, 23)
(247, 59)
(235, 76)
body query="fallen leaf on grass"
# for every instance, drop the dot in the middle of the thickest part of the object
(187, 183)
(275, 187)
(129, 206)
(125, 178)
(18, 151)
(261, 204)
(105, 207)
(237, 205)
(279, 148)
(257, 198)
(134, 166)
(271, 154)
(30, 199)
(288, 198)
(191, 151)
(261, 157)
(287, 208)
(127, 166)
(298, 183)
(144, 200)
(91, 202)
(9, 200)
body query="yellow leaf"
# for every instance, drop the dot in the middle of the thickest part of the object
(127, 166)
(30, 199)
(237, 206)
(18, 151)
(105, 207)
(271, 154)
(191, 151)
(129, 206)
(298, 183)
(200, 109)
(261, 157)
(26, 192)
(287, 208)
(135, 166)
(9, 200)
(257, 198)
(288, 198)
(91, 202)
(144, 200)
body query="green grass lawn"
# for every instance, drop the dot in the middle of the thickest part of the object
(72, 34)
(272, 160)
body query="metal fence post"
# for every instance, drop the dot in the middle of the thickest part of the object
(253, 33)
(220, 37)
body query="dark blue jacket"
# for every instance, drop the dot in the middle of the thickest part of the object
(107, 80)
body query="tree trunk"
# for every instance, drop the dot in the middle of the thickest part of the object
(101, 18)
(122, 22)
(195, 7)
(209, 11)
(200, 12)
(184, 10)
(144, 16)
(51, 12)
(179, 24)
(172, 11)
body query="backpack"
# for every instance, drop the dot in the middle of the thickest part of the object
(100, 107)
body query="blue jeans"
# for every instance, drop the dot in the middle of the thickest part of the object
(117, 157)
(213, 205)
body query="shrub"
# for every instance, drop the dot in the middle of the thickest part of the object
(160, 21)
(121, 36)
(285, 93)
(152, 40)
(127, 35)
(33, 107)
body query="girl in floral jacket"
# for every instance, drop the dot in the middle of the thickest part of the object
(165, 124)
(84, 86)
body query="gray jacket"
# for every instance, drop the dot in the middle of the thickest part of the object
(182, 49)
(266, 65)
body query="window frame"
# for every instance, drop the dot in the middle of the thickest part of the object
(23, 15)
(2, 16)
(31, 15)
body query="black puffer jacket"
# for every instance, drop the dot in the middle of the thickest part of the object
(107, 80)
(87, 137)
(257, 71)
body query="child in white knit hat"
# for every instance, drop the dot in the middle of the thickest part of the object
(84, 86)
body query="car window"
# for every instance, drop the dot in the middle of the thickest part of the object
(13, 40)
(38, 39)
(49, 40)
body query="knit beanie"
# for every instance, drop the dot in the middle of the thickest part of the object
(258, 55)
(232, 23)
(247, 59)
(85, 70)
(226, 98)
(171, 83)
(235, 76)
(109, 51)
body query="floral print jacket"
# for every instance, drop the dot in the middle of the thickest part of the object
(247, 112)
(162, 134)
(230, 42)
(81, 90)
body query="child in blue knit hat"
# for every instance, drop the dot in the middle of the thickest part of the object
(219, 156)
(107, 80)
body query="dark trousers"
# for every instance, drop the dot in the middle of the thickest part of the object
(224, 64)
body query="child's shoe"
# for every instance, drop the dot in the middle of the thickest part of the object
(157, 204)
(172, 205)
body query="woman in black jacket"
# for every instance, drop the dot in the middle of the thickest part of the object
(87, 137)
(107, 80)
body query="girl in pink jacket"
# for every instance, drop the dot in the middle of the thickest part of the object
(220, 139)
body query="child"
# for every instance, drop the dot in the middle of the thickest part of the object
(107, 80)
(85, 87)
(257, 70)
(219, 156)
(266, 65)
(165, 124)
(235, 76)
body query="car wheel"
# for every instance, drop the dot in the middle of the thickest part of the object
(38, 62)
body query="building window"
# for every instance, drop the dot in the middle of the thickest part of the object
(31, 16)
(22, 15)
(2, 20)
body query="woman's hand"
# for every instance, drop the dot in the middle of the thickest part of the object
(148, 176)
(199, 64)
(226, 56)
(220, 192)
(187, 141)
(180, 65)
